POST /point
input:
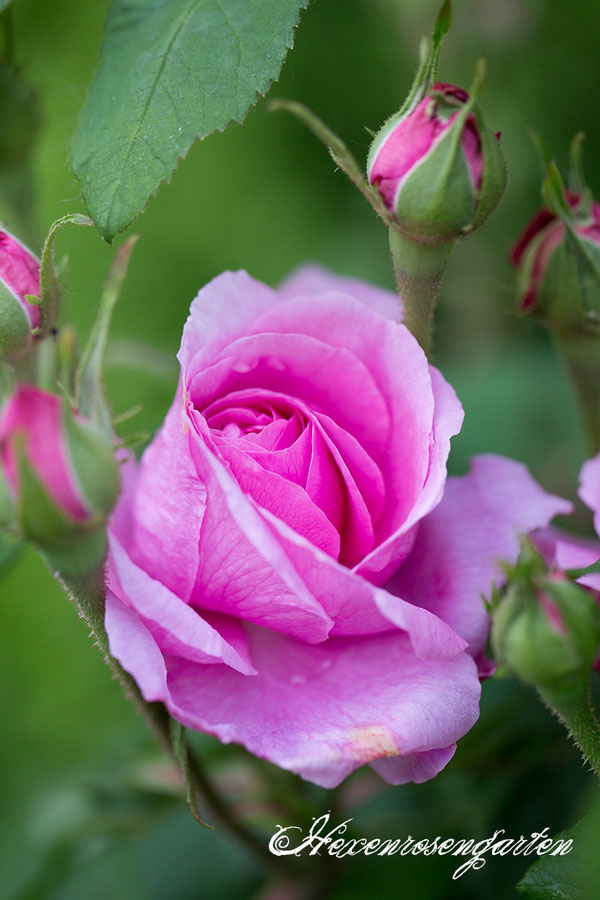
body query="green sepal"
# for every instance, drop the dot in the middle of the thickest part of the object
(7, 505)
(495, 173)
(93, 464)
(50, 282)
(15, 327)
(71, 547)
(437, 201)
(90, 395)
(526, 641)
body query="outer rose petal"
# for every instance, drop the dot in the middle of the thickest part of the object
(175, 626)
(589, 489)
(418, 767)
(324, 710)
(159, 514)
(458, 546)
(311, 280)
(448, 417)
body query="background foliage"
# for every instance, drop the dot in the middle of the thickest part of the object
(88, 808)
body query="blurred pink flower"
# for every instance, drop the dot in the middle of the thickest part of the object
(289, 568)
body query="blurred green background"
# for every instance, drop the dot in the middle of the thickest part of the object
(87, 808)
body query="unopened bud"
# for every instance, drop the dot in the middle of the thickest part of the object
(439, 169)
(20, 312)
(60, 478)
(547, 633)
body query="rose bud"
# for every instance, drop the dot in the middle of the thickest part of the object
(19, 283)
(547, 633)
(58, 479)
(439, 169)
(551, 280)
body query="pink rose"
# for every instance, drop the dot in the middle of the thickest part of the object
(289, 569)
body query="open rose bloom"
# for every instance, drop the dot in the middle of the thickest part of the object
(290, 568)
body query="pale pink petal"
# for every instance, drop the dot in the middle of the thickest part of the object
(460, 544)
(589, 489)
(175, 626)
(324, 710)
(417, 767)
(447, 421)
(223, 311)
(358, 607)
(132, 644)
(315, 280)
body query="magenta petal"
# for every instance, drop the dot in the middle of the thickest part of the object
(281, 496)
(398, 367)
(38, 417)
(20, 271)
(324, 710)
(243, 570)
(460, 543)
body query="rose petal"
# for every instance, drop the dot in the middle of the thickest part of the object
(314, 280)
(159, 514)
(589, 489)
(324, 710)
(459, 545)
(175, 626)
(243, 571)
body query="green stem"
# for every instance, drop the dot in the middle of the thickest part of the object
(418, 269)
(581, 353)
(571, 703)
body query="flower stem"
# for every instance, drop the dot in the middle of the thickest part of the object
(418, 269)
(571, 703)
(582, 356)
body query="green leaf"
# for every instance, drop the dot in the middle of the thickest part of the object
(170, 72)
(573, 876)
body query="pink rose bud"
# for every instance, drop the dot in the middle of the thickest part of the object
(557, 273)
(440, 171)
(19, 283)
(58, 478)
